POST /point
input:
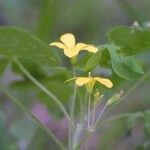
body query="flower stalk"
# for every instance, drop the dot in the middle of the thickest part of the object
(33, 117)
(43, 88)
(89, 110)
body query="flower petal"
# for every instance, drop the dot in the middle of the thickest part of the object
(58, 44)
(68, 39)
(70, 53)
(91, 48)
(80, 81)
(83, 46)
(80, 46)
(104, 81)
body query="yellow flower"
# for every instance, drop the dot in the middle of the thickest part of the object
(69, 46)
(89, 82)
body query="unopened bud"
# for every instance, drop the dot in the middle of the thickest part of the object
(97, 98)
(97, 94)
(114, 98)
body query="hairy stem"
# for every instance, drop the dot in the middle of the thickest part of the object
(72, 109)
(88, 134)
(33, 117)
(99, 116)
(93, 116)
(89, 110)
(43, 88)
(74, 99)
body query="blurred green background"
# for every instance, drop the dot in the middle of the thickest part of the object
(89, 20)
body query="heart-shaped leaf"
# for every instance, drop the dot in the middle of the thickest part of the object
(131, 40)
(125, 67)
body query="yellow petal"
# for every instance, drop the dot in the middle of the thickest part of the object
(104, 81)
(80, 81)
(91, 48)
(87, 47)
(70, 53)
(73, 52)
(68, 39)
(58, 44)
(80, 46)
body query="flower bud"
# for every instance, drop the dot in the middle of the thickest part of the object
(97, 98)
(114, 98)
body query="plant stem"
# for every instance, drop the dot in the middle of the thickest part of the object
(72, 123)
(74, 98)
(33, 117)
(84, 106)
(94, 112)
(80, 126)
(88, 134)
(89, 110)
(43, 88)
(99, 116)
(93, 116)
(69, 137)
(73, 103)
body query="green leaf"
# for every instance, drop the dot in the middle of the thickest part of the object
(125, 67)
(132, 40)
(16, 42)
(93, 60)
